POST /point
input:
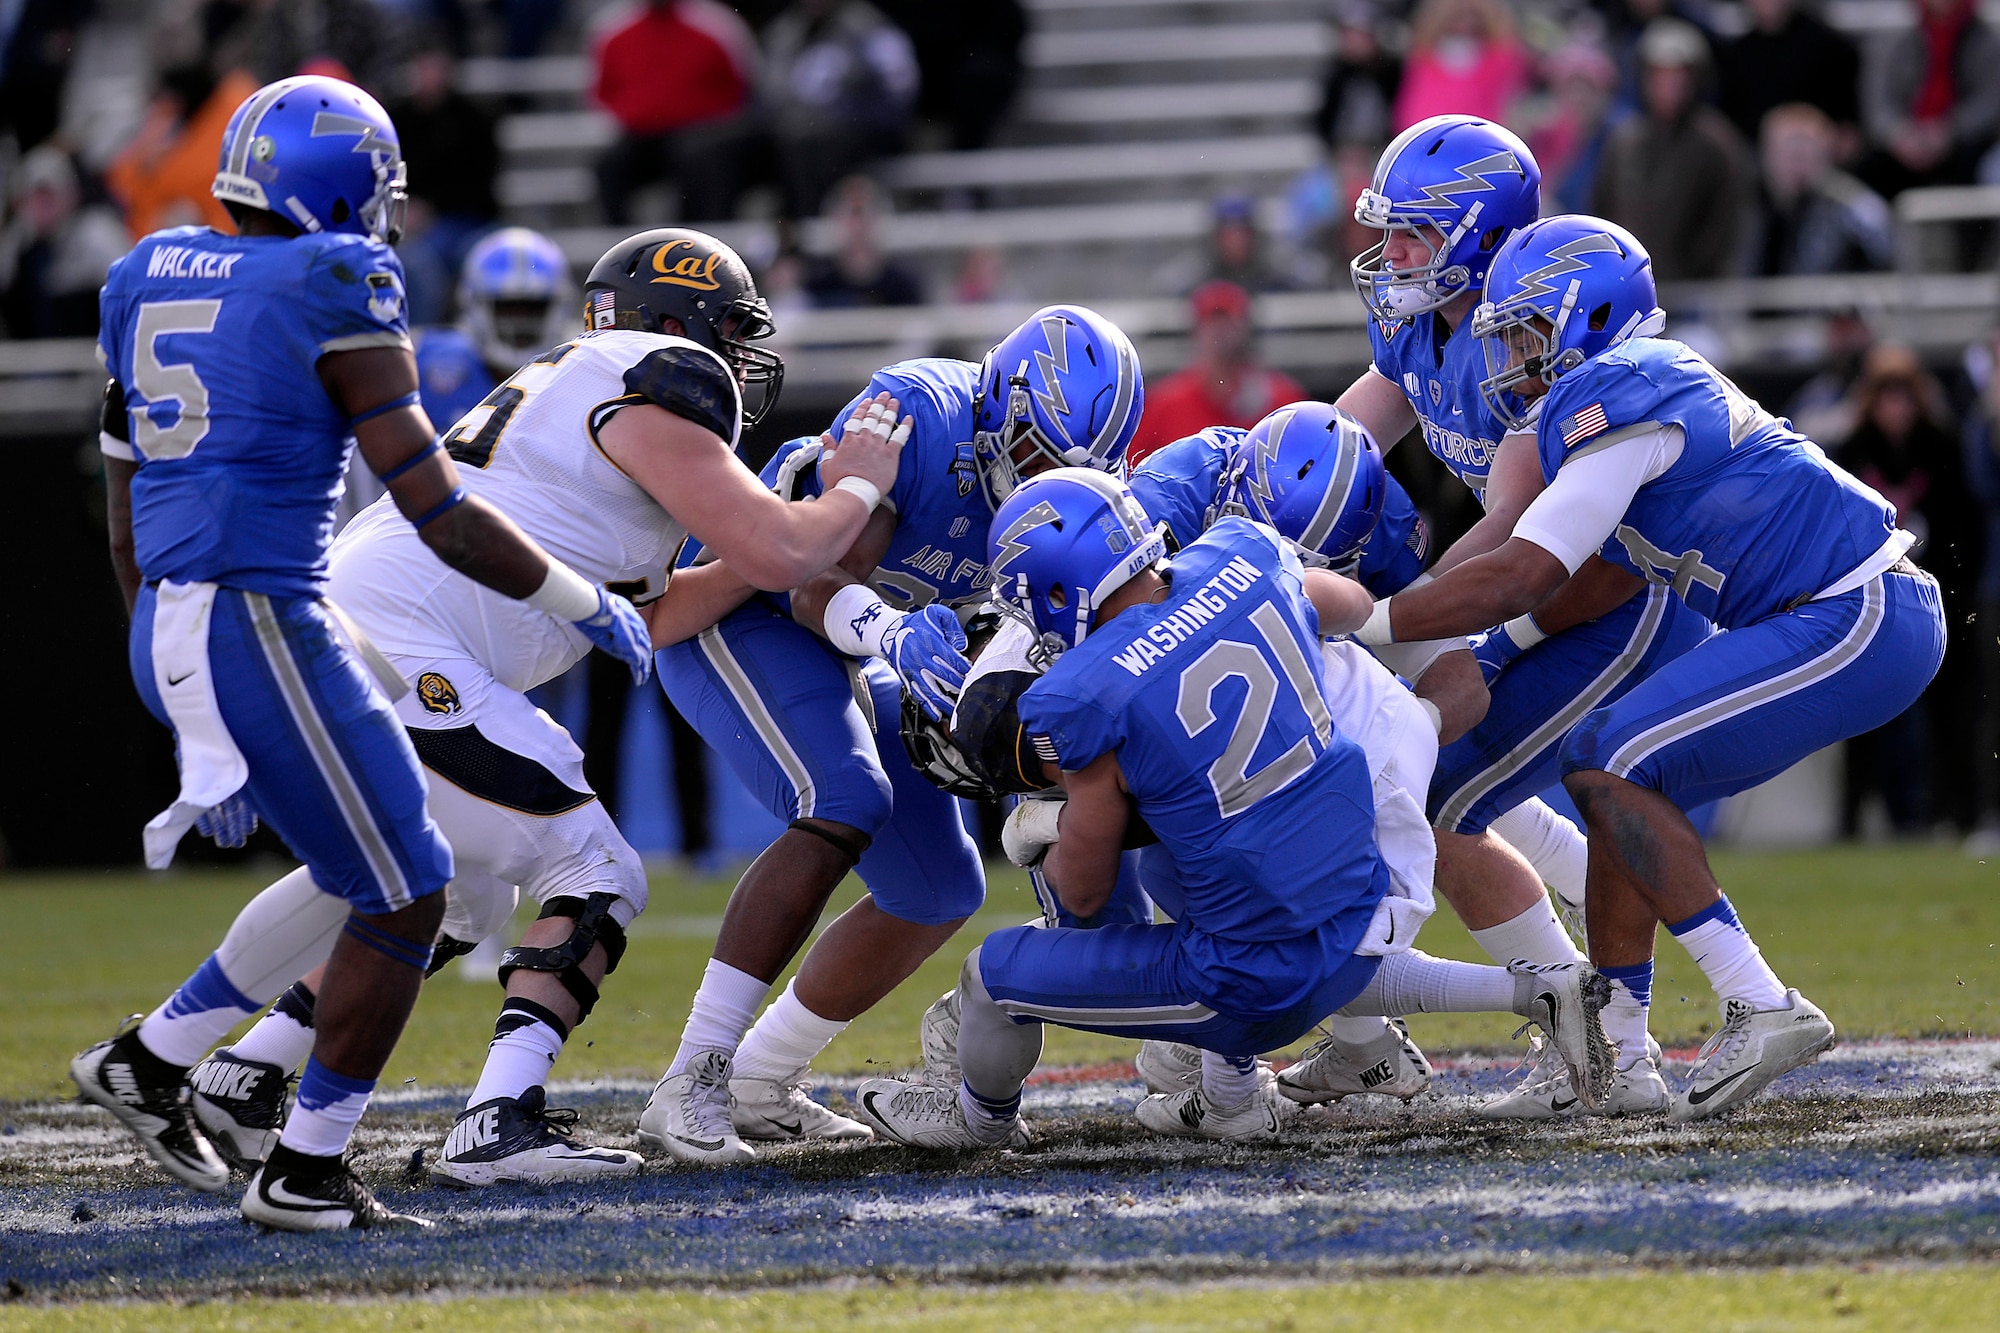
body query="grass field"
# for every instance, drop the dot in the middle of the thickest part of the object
(1931, 1297)
(1891, 941)
(1863, 1193)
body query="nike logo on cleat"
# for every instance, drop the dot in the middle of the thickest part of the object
(1558, 1103)
(791, 1130)
(1697, 1096)
(1381, 1073)
(706, 1145)
(275, 1191)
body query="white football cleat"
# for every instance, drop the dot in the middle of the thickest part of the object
(1174, 1066)
(688, 1115)
(778, 1110)
(939, 1034)
(1751, 1048)
(1546, 1094)
(1391, 1064)
(1190, 1114)
(240, 1104)
(1564, 1001)
(924, 1115)
(522, 1138)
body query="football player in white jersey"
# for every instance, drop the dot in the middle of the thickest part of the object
(615, 447)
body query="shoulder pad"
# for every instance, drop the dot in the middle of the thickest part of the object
(690, 382)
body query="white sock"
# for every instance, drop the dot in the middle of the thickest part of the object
(280, 935)
(1535, 935)
(1352, 1030)
(282, 1037)
(723, 1007)
(329, 1107)
(1554, 846)
(1416, 983)
(1228, 1083)
(785, 1039)
(1625, 1017)
(526, 1041)
(1726, 955)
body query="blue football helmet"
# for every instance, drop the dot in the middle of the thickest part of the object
(1472, 181)
(1060, 544)
(318, 152)
(1315, 474)
(515, 298)
(1066, 384)
(1560, 291)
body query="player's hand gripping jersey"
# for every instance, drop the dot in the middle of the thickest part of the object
(214, 340)
(938, 551)
(531, 449)
(1212, 700)
(1179, 485)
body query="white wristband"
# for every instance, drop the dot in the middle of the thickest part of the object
(1375, 630)
(564, 594)
(1431, 711)
(856, 620)
(862, 489)
(1523, 631)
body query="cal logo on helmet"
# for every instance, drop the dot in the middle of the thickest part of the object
(689, 269)
(437, 694)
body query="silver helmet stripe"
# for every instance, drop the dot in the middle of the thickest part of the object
(1121, 404)
(1333, 500)
(252, 121)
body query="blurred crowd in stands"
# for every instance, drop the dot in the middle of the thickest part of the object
(1735, 140)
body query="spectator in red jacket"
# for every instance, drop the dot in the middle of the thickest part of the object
(677, 77)
(1223, 385)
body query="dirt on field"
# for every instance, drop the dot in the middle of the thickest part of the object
(1879, 1151)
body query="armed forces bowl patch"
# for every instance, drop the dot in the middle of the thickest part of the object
(437, 694)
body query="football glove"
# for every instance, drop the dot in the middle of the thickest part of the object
(230, 824)
(620, 630)
(1030, 831)
(1500, 645)
(927, 649)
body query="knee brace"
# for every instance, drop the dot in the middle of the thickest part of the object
(853, 847)
(594, 924)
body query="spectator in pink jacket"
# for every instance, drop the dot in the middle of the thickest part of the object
(1464, 57)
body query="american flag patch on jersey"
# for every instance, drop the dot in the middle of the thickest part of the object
(1590, 421)
(1046, 748)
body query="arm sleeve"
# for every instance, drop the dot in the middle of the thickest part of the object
(1580, 509)
(354, 298)
(114, 427)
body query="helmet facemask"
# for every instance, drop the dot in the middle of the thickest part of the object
(387, 209)
(745, 320)
(1398, 293)
(993, 451)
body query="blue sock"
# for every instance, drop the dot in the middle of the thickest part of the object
(329, 1107)
(196, 1016)
(1625, 1017)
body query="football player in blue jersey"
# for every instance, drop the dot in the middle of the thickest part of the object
(800, 695)
(1316, 477)
(1651, 456)
(1190, 696)
(515, 299)
(1446, 194)
(224, 468)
